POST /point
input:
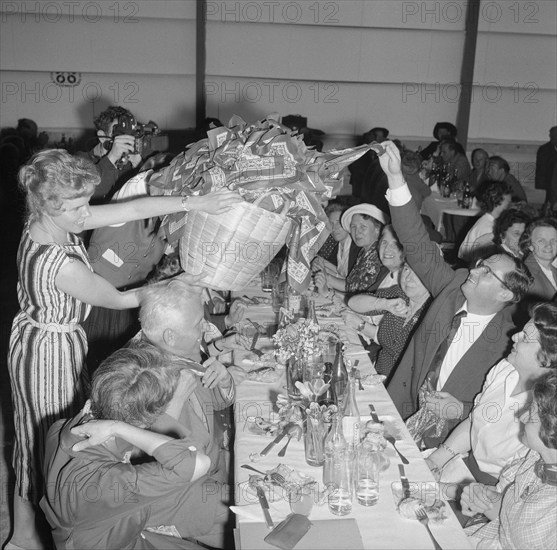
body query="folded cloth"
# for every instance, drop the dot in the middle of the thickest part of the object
(253, 512)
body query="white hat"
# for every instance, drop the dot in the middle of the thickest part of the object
(364, 208)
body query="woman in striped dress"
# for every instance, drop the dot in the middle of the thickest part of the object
(56, 289)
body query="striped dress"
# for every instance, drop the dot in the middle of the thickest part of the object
(46, 360)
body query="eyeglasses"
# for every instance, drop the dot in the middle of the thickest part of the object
(480, 264)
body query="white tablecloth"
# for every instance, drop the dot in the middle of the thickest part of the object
(380, 525)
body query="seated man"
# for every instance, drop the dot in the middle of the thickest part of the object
(467, 328)
(499, 170)
(96, 498)
(455, 161)
(171, 318)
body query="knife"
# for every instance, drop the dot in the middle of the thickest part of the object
(277, 439)
(374, 416)
(265, 507)
(404, 482)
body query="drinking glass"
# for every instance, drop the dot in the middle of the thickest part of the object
(301, 498)
(268, 277)
(367, 475)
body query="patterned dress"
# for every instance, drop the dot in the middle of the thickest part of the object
(365, 271)
(46, 359)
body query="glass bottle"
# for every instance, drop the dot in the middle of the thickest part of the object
(351, 415)
(334, 443)
(466, 196)
(329, 397)
(295, 304)
(339, 376)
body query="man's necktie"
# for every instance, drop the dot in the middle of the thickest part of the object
(441, 352)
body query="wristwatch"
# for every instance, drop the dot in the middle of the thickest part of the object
(362, 325)
(185, 203)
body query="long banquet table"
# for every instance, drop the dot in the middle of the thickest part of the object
(380, 526)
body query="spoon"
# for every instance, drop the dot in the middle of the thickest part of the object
(294, 430)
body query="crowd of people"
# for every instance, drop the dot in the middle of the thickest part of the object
(450, 341)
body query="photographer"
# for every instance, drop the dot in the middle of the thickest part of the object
(113, 156)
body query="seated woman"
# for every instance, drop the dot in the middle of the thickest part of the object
(522, 507)
(539, 246)
(364, 222)
(491, 435)
(339, 252)
(398, 322)
(508, 229)
(494, 198)
(96, 497)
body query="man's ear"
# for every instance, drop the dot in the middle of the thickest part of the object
(169, 337)
(505, 295)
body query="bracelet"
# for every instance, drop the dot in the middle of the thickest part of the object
(449, 450)
(362, 325)
(185, 203)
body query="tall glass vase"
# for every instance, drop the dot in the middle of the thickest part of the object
(314, 436)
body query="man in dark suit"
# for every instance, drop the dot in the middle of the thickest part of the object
(455, 367)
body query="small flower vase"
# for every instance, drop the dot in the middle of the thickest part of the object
(314, 435)
(294, 373)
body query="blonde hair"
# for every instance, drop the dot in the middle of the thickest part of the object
(52, 176)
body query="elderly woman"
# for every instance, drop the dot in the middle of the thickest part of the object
(134, 505)
(508, 229)
(491, 434)
(56, 289)
(480, 166)
(494, 198)
(396, 326)
(522, 507)
(364, 222)
(539, 246)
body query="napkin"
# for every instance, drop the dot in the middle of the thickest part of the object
(253, 512)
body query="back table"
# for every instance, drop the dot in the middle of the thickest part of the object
(380, 526)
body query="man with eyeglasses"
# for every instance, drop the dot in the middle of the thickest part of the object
(467, 328)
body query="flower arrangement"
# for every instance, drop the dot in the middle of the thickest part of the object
(297, 340)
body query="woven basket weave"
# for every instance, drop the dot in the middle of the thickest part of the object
(232, 248)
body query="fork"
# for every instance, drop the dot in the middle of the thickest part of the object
(421, 516)
(392, 441)
(279, 479)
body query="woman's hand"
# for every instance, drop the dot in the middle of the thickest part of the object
(320, 281)
(477, 498)
(96, 432)
(318, 264)
(353, 320)
(396, 306)
(219, 202)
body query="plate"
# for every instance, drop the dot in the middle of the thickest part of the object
(422, 494)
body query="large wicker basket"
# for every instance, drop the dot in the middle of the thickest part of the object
(232, 248)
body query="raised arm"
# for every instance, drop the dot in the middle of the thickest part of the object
(218, 202)
(422, 254)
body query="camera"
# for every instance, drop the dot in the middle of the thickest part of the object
(148, 138)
